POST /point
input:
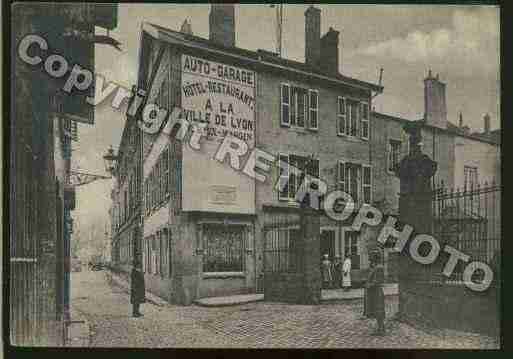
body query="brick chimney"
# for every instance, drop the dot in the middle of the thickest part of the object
(486, 119)
(435, 107)
(222, 24)
(312, 36)
(329, 51)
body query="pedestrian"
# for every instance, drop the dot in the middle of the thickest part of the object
(137, 289)
(327, 277)
(337, 272)
(346, 273)
(375, 300)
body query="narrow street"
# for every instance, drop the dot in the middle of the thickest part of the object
(270, 325)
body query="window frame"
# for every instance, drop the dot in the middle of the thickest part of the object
(282, 104)
(239, 254)
(471, 171)
(286, 176)
(348, 178)
(341, 117)
(366, 185)
(341, 185)
(294, 92)
(312, 109)
(363, 105)
(390, 151)
(301, 92)
(349, 117)
(288, 173)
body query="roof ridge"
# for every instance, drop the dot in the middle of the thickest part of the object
(254, 55)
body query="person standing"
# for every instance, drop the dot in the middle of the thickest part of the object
(346, 273)
(375, 298)
(137, 289)
(337, 272)
(327, 277)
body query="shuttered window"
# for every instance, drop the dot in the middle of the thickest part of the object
(285, 105)
(341, 116)
(313, 109)
(364, 117)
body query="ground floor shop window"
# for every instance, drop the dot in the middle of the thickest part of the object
(224, 247)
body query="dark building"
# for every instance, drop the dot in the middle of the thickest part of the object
(126, 197)
(43, 126)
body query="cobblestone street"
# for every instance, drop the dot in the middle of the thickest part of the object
(257, 325)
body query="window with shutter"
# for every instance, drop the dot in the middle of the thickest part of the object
(313, 109)
(283, 194)
(367, 184)
(290, 179)
(394, 154)
(353, 181)
(364, 117)
(341, 176)
(341, 116)
(285, 105)
(293, 107)
(302, 101)
(353, 118)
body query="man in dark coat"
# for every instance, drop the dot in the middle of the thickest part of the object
(375, 298)
(137, 289)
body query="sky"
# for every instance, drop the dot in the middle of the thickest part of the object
(460, 43)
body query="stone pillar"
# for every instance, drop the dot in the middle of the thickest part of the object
(415, 202)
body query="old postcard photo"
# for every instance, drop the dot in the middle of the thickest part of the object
(254, 176)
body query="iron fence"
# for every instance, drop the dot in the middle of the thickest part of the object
(469, 220)
(281, 238)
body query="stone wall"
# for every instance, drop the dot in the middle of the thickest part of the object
(453, 307)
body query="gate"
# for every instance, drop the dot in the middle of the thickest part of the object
(291, 256)
(281, 255)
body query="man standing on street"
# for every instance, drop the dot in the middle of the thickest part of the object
(137, 289)
(374, 292)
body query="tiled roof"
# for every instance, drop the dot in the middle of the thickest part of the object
(260, 55)
(494, 137)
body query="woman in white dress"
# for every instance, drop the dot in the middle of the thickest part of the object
(346, 273)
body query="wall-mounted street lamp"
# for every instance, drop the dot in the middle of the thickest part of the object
(80, 178)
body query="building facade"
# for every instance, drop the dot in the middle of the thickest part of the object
(126, 201)
(205, 226)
